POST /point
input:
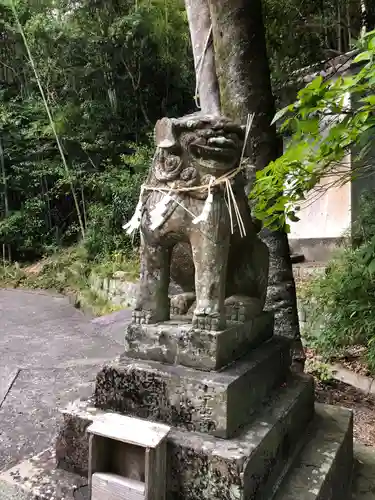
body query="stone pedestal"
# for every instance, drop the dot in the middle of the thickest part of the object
(248, 431)
(177, 342)
(200, 464)
(218, 403)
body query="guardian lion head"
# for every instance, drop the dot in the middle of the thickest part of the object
(195, 146)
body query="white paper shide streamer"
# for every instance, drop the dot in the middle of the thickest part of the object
(157, 215)
(135, 222)
(207, 207)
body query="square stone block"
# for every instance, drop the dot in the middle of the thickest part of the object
(177, 342)
(217, 403)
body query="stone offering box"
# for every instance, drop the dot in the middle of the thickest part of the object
(127, 459)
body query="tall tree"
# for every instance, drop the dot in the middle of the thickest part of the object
(243, 73)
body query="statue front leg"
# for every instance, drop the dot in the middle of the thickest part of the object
(210, 247)
(153, 301)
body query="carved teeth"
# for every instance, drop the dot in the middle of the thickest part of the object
(220, 141)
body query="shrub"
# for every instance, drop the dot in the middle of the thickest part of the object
(341, 303)
(364, 226)
(116, 192)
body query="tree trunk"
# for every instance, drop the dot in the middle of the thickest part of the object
(370, 14)
(338, 28)
(245, 88)
(204, 59)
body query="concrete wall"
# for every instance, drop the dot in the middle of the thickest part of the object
(119, 291)
(116, 289)
(325, 217)
(326, 213)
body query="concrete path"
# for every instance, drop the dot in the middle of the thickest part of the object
(49, 355)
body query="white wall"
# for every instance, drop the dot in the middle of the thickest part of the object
(327, 211)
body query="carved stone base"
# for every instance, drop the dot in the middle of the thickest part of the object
(285, 449)
(177, 342)
(281, 418)
(218, 403)
(281, 452)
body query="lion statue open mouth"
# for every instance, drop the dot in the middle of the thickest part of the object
(222, 275)
(215, 153)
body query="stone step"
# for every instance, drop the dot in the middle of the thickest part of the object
(38, 478)
(245, 467)
(323, 469)
(202, 467)
(216, 403)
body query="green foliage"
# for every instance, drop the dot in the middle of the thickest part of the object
(68, 271)
(60, 272)
(290, 50)
(116, 192)
(320, 31)
(109, 70)
(363, 230)
(324, 129)
(320, 370)
(341, 304)
(125, 263)
(95, 63)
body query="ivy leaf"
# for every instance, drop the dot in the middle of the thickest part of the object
(292, 217)
(371, 266)
(369, 99)
(363, 56)
(280, 114)
(316, 83)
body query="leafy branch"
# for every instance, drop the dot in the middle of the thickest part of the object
(330, 119)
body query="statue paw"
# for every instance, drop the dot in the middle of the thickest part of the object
(181, 303)
(241, 309)
(208, 318)
(145, 317)
(141, 317)
(151, 311)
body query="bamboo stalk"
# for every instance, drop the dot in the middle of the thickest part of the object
(6, 200)
(348, 22)
(52, 123)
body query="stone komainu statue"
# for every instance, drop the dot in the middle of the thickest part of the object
(222, 275)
